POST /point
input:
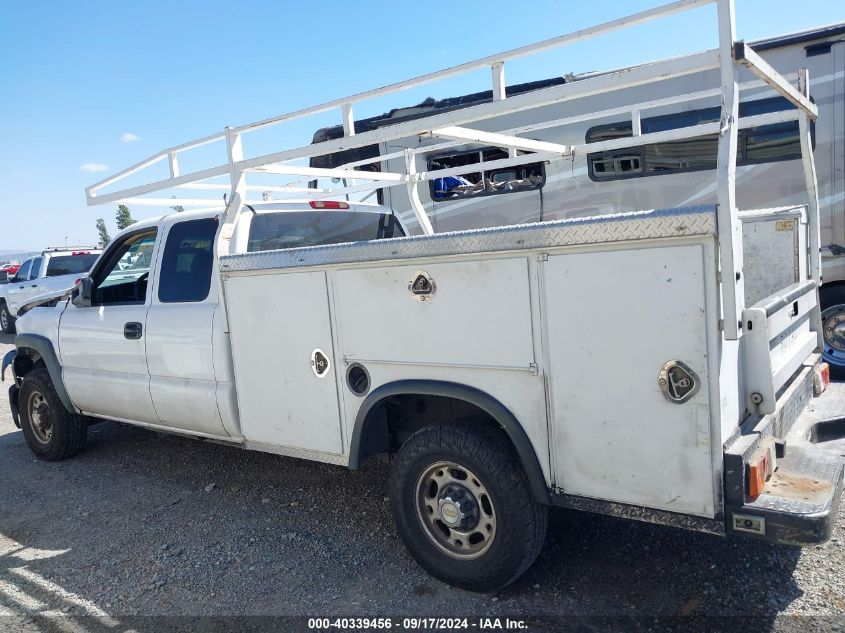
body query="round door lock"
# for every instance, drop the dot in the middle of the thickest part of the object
(320, 363)
(422, 286)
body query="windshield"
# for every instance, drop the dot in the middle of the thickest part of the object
(70, 264)
(270, 231)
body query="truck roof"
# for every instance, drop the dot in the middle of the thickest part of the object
(56, 250)
(259, 208)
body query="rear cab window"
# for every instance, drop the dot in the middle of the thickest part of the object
(294, 229)
(71, 264)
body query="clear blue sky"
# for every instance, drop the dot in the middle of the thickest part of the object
(80, 79)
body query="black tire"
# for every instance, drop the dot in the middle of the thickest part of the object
(518, 520)
(7, 321)
(832, 300)
(40, 407)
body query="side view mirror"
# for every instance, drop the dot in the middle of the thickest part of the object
(83, 293)
(4, 277)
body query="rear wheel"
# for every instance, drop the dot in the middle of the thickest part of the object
(7, 321)
(832, 300)
(52, 432)
(464, 508)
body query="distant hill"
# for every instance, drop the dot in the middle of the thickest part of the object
(11, 255)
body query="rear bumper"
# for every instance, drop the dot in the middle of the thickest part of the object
(799, 503)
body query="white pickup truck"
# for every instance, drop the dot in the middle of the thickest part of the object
(660, 365)
(452, 352)
(53, 270)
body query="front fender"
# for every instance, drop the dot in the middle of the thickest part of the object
(8, 359)
(44, 348)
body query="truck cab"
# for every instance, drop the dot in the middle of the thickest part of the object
(147, 325)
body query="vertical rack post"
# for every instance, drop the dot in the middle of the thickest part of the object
(237, 194)
(730, 228)
(348, 119)
(809, 165)
(500, 90)
(414, 194)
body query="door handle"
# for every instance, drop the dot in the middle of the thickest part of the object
(132, 330)
(34, 285)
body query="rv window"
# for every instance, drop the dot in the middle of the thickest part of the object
(756, 145)
(477, 180)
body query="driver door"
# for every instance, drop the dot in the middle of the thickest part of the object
(103, 347)
(17, 285)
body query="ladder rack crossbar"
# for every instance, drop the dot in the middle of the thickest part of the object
(382, 180)
(653, 137)
(630, 77)
(569, 120)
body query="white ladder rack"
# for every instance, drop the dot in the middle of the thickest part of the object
(455, 127)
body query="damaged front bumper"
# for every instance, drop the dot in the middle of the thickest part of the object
(799, 502)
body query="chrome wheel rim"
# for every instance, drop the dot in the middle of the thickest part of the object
(4, 318)
(40, 417)
(833, 326)
(455, 510)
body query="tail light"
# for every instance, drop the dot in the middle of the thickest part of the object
(328, 204)
(80, 253)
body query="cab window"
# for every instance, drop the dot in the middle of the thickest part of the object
(187, 262)
(295, 229)
(122, 279)
(75, 264)
(36, 268)
(23, 271)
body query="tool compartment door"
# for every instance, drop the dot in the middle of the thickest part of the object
(612, 320)
(277, 323)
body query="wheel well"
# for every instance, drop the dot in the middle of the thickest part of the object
(394, 412)
(26, 360)
(405, 414)
(831, 285)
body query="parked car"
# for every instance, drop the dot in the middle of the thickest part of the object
(10, 269)
(54, 269)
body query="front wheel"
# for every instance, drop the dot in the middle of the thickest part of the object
(7, 321)
(52, 432)
(464, 507)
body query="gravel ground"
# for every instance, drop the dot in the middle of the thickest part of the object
(147, 524)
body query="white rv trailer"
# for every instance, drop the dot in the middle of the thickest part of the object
(481, 358)
(653, 176)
